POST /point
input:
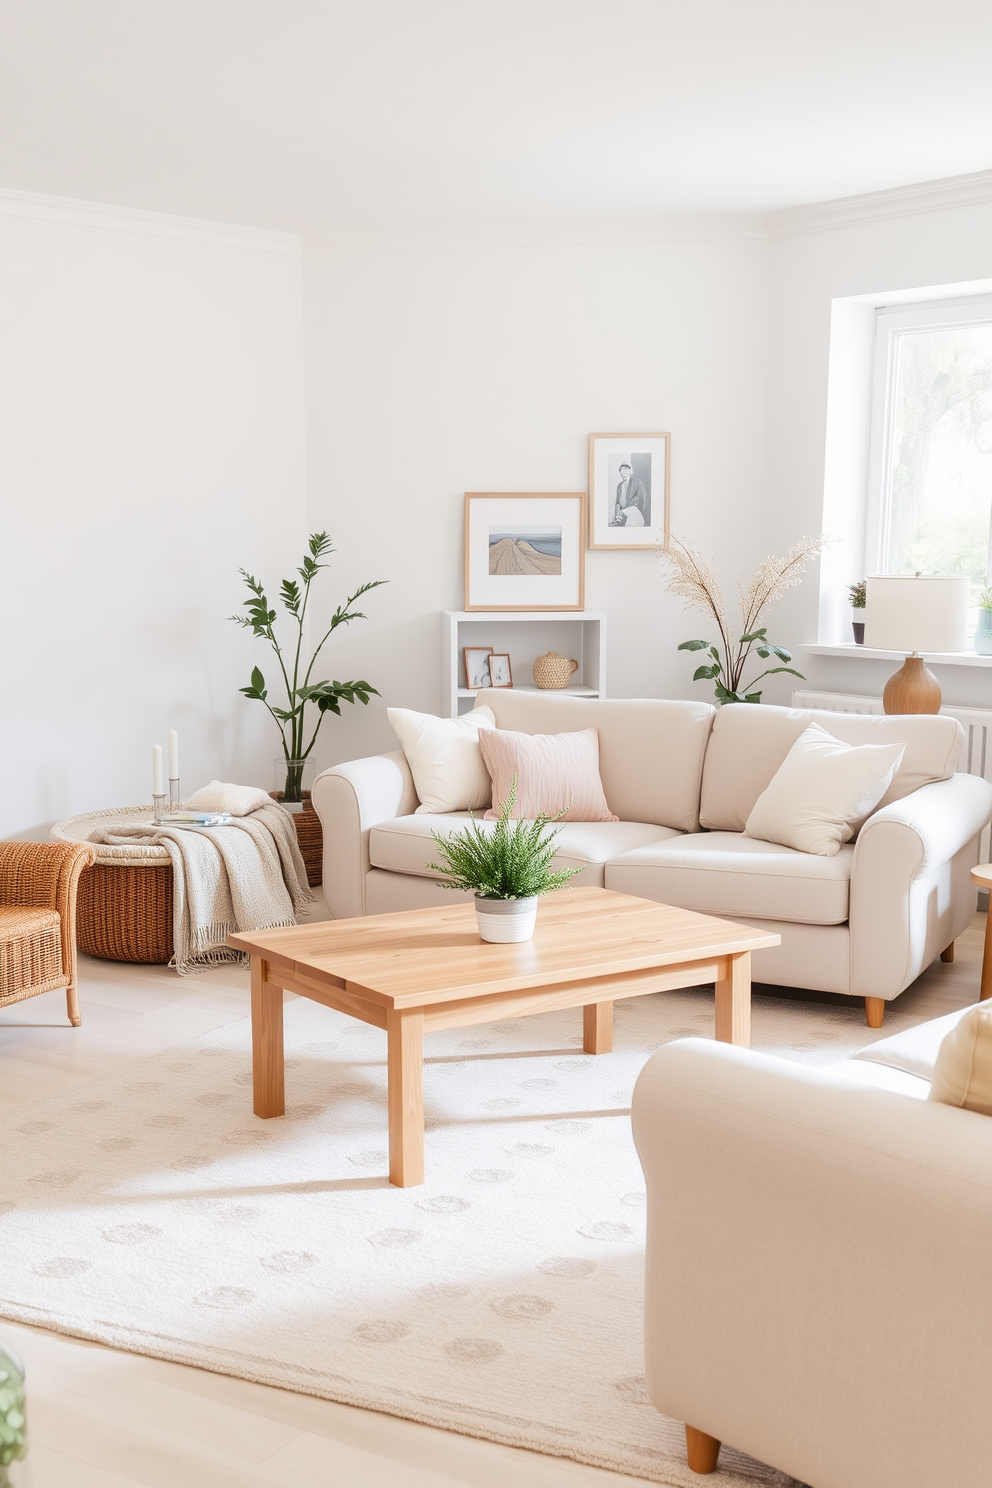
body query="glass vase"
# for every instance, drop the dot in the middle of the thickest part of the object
(13, 1438)
(293, 782)
(983, 633)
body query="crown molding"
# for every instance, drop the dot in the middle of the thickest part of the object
(708, 228)
(31, 206)
(877, 206)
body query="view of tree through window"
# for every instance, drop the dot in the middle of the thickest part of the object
(939, 506)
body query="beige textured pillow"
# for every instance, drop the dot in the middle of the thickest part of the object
(444, 759)
(962, 1075)
(820, 790)
(555, 772)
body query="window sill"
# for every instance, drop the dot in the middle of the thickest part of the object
(942, 658)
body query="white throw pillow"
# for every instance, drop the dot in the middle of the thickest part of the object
(444, 758)
(820, 790)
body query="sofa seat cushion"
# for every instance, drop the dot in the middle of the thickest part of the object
(405, 844)
(726, 873)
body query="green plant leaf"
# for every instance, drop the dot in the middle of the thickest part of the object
(257, 680)
(695, 645)
(754, 635)
(706, 673)
(752, 697)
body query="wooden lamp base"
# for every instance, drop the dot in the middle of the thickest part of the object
(913, 689)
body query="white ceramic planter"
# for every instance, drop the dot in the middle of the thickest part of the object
(504, 921)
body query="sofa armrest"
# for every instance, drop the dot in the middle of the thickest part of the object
(350, 800)
(910, 892)
(816, 1268)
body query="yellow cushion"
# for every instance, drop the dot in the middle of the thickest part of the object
(963, 1073)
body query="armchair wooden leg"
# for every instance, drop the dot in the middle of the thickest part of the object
(702, 1450)
(947, 954)
(874, 1011)
(72, 1005)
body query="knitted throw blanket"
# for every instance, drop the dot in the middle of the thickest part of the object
(247, 875)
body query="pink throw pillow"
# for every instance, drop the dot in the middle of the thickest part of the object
(555, 772)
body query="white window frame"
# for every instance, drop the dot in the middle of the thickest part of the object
(890, 322)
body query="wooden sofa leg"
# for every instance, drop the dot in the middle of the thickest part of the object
(947, 954)
(702, 1450)
(72, 1004)
(874, 1011)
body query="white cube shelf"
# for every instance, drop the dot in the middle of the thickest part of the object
(523, 636)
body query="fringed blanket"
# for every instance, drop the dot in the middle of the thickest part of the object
(246, 875)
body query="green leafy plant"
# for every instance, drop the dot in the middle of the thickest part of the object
(13, 1442)
(859, 594)
(693, 577)
(985, 598)
(293, 719)
(512, 861)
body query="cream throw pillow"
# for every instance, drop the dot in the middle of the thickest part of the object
(555, 772)
(444, 759)
(962, 1075)
(820, 790)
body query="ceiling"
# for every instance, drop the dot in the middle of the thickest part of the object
(329, 115)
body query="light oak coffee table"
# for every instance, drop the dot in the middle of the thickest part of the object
(427, 968)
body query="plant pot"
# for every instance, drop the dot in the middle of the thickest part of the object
(858, 625)
(983, 633)
(309, 837)
(505, 921)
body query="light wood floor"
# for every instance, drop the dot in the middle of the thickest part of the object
(100, 1418)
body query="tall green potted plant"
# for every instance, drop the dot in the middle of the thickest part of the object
(507, 868)
(303, 697)
(983, 630)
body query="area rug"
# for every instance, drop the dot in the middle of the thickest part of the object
(150, 1210)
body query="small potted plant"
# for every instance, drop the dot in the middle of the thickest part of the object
(507, 867)
(983, 630)
(859, 599)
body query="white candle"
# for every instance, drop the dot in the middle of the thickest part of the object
(157, 770)
(173, 755)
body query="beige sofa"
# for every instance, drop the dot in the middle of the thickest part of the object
(683, 778)
(817, 1262)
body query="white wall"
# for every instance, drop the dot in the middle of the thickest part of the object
(432, 370)
(151, 429)
(809, 270)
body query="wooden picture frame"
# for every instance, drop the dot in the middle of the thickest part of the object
(630, 491)
(472, 656)
(525, 550)
(502, 671)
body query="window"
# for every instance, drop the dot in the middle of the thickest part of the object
(930, 492)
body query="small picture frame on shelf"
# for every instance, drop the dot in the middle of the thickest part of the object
(500, 674)
(477, 666)
(524, 550)
(629, 481)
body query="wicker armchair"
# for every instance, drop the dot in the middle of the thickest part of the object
(38, 882)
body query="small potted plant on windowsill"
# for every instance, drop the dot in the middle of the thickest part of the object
(859, 600)
(507, 868)
(983, 630)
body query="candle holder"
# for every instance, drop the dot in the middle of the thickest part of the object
(175, 795)
(158, 807)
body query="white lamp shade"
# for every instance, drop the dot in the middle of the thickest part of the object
(928, 613)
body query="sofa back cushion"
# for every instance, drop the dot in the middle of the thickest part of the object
(650, 750)
(963, 1073)
(748, 743)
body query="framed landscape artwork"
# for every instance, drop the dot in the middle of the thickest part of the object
(524, 550)
(629, 478)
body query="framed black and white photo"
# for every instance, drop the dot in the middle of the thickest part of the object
(477, 666)
(500, 674)
(629, 479)
(524, 550)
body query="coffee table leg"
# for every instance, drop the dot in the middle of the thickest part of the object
(733, 1001)
(268, 1065)
(597, 1027)
(405, 1058)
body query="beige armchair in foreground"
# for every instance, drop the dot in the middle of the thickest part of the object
(818, 1288)
(38, 883)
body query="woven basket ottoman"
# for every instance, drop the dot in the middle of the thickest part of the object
(124, 901)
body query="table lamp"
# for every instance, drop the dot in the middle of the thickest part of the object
(914, 614)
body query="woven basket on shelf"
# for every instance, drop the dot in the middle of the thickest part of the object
(310, 837)
(552, 671)
(124, 901)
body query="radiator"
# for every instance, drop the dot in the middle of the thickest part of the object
(976, 722)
